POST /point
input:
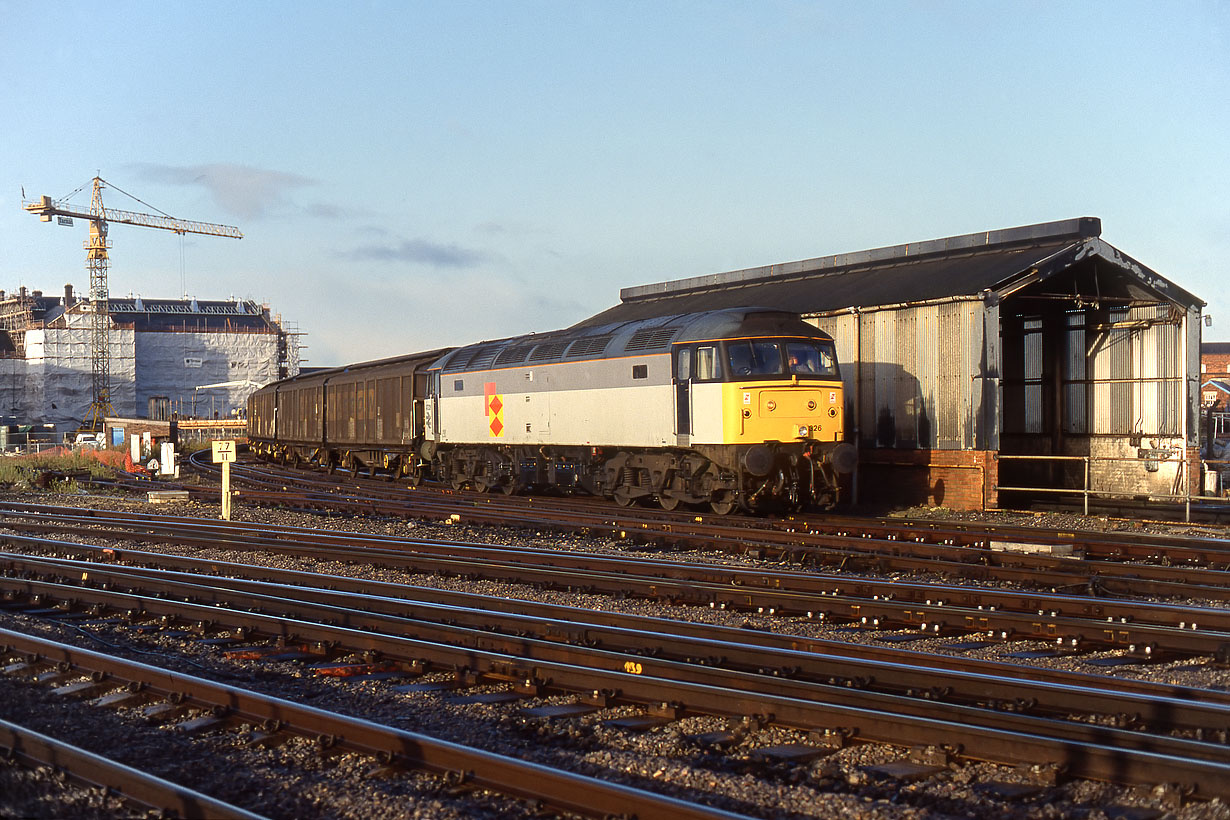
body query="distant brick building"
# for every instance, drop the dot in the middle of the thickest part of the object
(1215, 360)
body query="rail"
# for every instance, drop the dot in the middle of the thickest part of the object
(133, 785)
(411, 635)
(551, 788)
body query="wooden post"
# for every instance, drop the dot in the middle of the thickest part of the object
(224, 454)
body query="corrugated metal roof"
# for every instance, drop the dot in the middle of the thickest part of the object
(956, 267)
(874, 284)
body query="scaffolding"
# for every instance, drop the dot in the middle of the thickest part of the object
(16, 317)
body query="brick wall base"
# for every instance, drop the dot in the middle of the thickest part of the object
(957, 479)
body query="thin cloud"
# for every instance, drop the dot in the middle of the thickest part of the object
(247, 192)
(422, 252)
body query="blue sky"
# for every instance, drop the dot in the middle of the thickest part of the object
(412, 175)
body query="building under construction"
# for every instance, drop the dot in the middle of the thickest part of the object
(191, 357)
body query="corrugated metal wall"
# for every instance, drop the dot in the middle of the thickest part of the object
(917, 374)
(928, 377)
(1075, 393)
(1137, 370)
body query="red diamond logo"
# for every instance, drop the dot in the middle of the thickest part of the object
(496, 405)
(496, 426)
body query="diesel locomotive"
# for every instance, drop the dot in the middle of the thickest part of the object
(737, 409)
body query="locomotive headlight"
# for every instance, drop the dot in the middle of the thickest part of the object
(772, 405)
(811, 405)
(803, 431)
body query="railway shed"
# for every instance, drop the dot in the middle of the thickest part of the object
(978, 368)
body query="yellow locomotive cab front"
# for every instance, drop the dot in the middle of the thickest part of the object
(773, 411)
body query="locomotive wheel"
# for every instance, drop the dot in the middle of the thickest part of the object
(509, 488)
(723, 502)
(622, 497)
(668, 502)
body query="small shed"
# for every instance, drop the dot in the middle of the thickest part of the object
(1039, 358)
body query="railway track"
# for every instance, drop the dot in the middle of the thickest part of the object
(172, 694)
(1148, 629)
(138, 788)
(312, 615)
(893, 544)
(665, 671)
(1140, 599)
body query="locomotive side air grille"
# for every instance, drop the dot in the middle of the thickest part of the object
(548, 351)
(516, 354)
(453, 362)
(469, 359)
(482, 357)
(589, 346)
(651, 338)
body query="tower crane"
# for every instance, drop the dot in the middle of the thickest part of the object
(96, 260)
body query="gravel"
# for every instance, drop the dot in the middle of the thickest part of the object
(292, 780)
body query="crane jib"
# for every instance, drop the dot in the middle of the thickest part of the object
(96, 260)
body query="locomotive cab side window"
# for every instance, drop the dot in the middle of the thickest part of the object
(708, 367)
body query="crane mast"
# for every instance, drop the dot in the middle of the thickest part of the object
(96, 261)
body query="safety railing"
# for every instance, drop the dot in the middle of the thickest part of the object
(1085, 491)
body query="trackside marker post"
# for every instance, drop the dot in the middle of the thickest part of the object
(224, 454)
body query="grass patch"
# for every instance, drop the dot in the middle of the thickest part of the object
(25, 469)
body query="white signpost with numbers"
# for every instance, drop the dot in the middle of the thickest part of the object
(224, 454)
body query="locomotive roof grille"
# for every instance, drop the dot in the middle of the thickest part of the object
(468, 358)
(453, 360)
(483, 357)
(651, 338)
(514, 354)
(548, 351)
(589, 346)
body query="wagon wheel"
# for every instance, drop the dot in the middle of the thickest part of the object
(623, 497)
(722, 502)
(413, 474)
(668, 502)
(392, 465)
